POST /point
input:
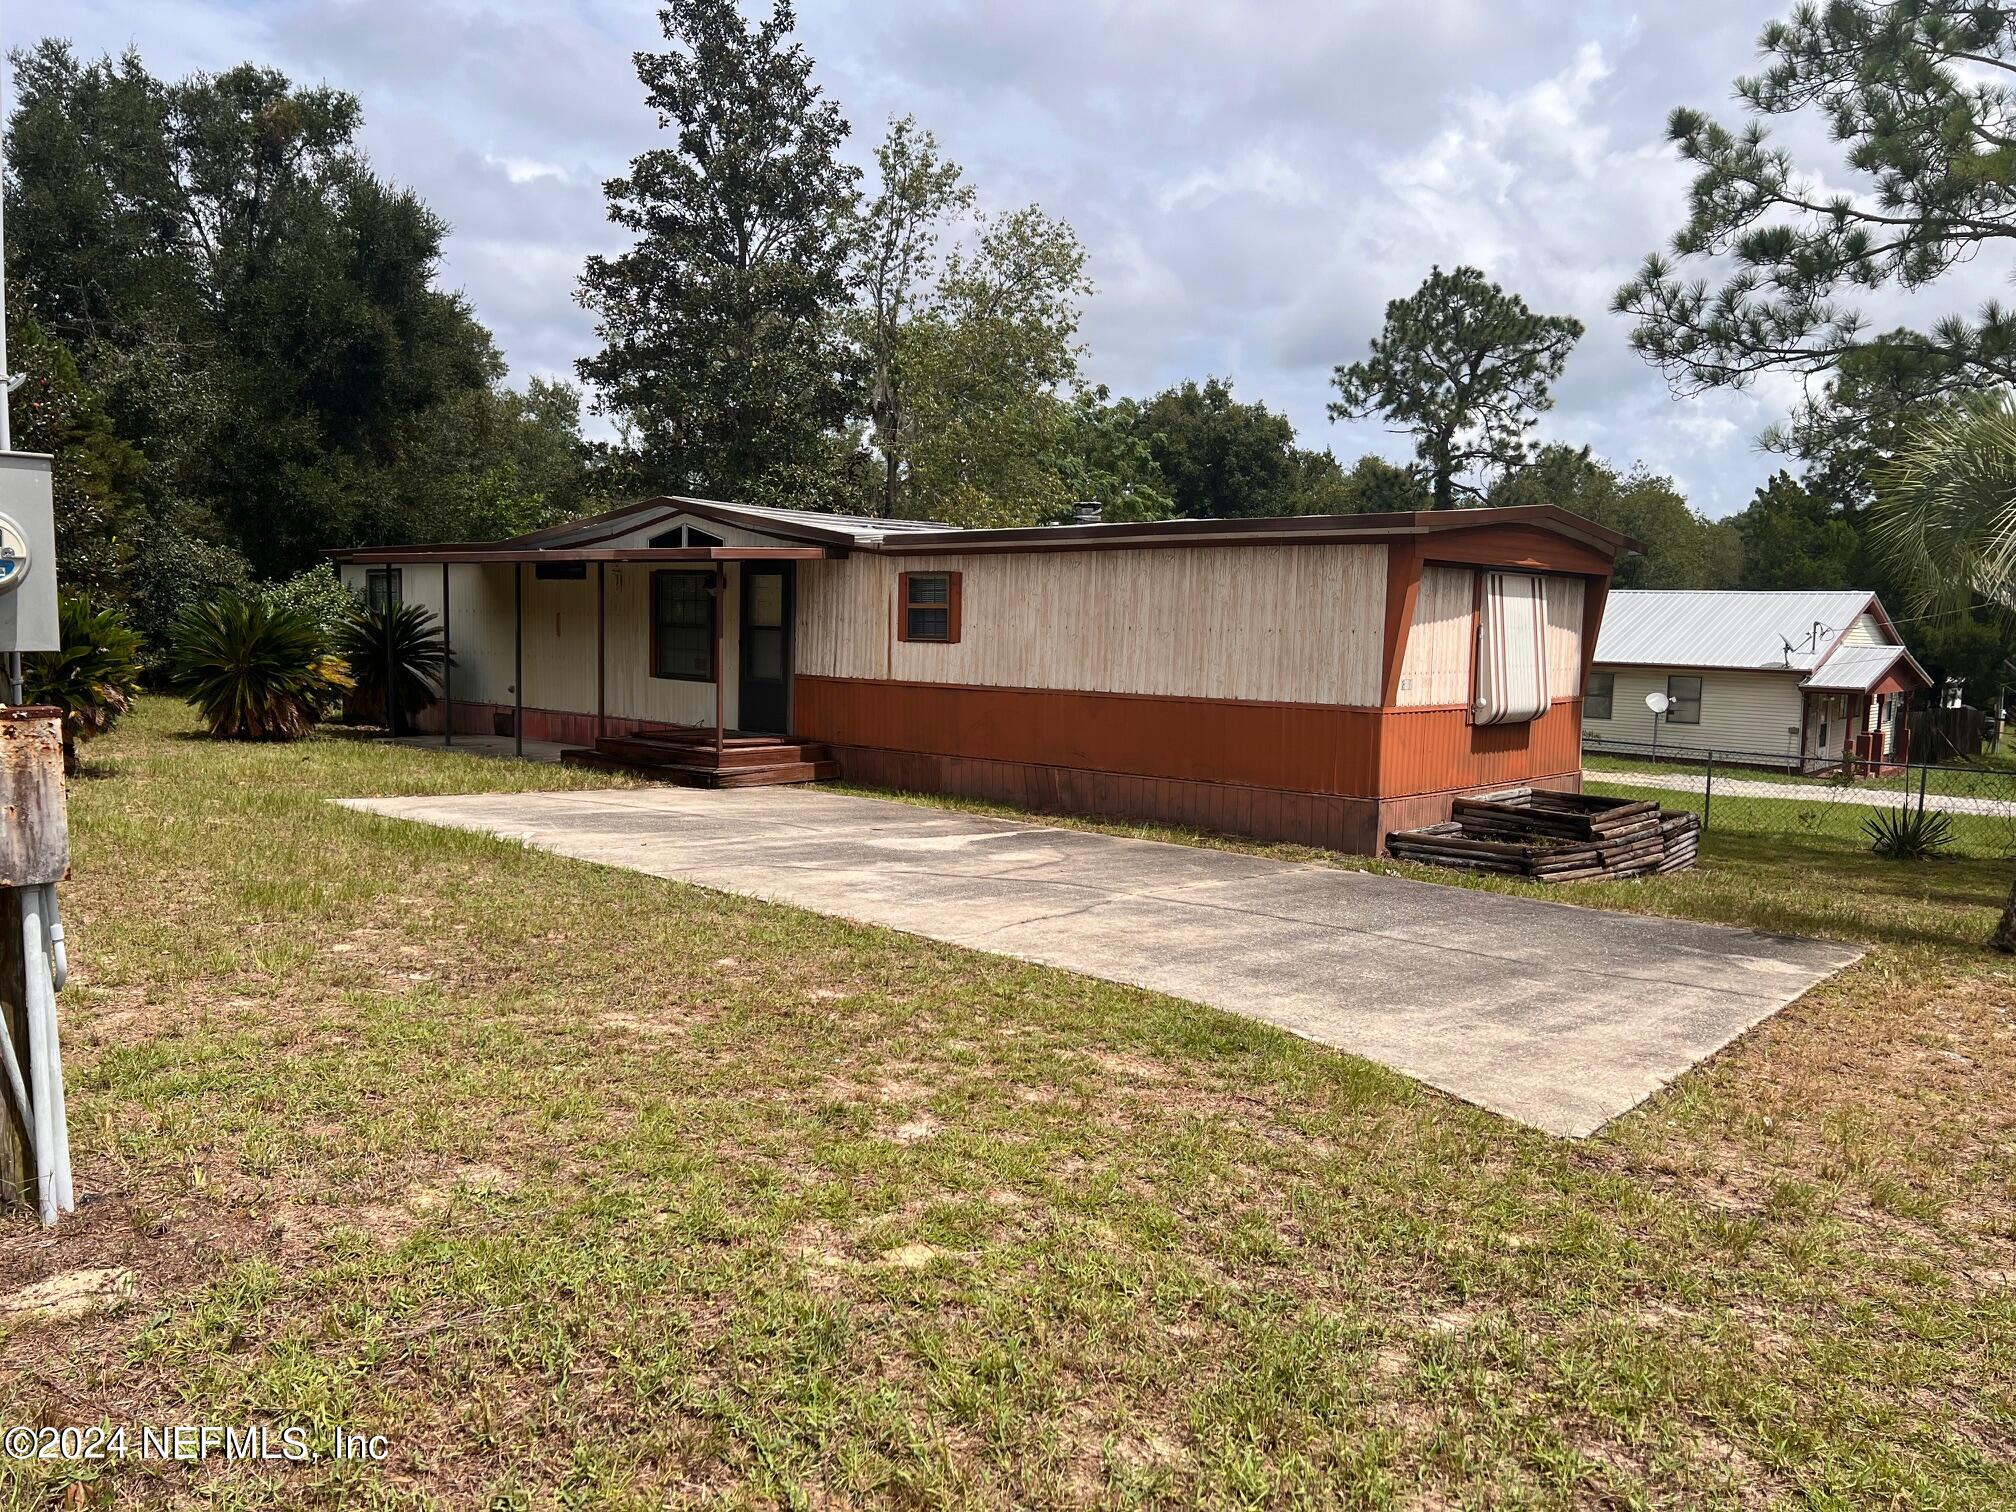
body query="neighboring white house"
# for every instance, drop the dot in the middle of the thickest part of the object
(1800, 679)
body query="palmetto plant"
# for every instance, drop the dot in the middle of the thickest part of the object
(254, 671)
(92, 679)
(418, 659)
(1945, 516)
(1908, 832)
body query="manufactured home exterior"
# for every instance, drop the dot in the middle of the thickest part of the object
(1805, 680)
(1323, 680)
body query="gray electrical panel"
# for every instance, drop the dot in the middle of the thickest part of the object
(27, 554)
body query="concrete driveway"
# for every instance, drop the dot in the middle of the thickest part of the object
(1558, 1016)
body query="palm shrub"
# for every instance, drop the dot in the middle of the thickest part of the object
(1908, 833)
(254, 671)
(418, 659)
(92, 679)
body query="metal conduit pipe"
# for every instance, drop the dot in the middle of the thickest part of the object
(59, 955)
(59, 972)
(35, 978)
(15, 1086)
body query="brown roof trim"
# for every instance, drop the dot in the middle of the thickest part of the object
(1300, 529)
(505, 551)
(1229, 532)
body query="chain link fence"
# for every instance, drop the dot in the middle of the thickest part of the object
(1753, 792)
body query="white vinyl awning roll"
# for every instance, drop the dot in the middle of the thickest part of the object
(1512, 649)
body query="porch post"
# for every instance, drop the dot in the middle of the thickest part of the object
(601, 646)
(447, 667)
(518, 658)
(720, 672)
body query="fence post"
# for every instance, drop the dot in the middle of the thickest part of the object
(1708, 794)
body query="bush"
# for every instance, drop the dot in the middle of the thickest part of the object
(320, 594)
(419, 657)
(92, 679)
(1908, 833)
(254, 672)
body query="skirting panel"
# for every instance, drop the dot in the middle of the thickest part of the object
(1302, 748)
(1308, 748)
(1324, 820)
(559, 725)
(1319, 819)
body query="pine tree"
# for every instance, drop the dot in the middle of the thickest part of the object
(1466, 368)
(721, 331)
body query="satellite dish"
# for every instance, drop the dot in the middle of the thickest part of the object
(1658, 703)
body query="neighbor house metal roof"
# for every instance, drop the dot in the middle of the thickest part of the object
(1789, 631)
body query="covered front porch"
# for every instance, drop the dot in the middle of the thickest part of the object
(1854, 707)
(672, 658)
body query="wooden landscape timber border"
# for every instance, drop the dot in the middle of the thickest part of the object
(1554, 837)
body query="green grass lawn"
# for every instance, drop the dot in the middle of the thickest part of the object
(590, 1189)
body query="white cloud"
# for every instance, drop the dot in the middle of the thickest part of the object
(1253, 180)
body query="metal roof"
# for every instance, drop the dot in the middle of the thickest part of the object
(869, 533)
(1766, 631)
(1857, 669)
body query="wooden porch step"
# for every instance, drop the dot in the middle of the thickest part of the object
(694, 735)
(650, 751)
(706, 775)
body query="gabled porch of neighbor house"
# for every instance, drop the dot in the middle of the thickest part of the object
(664, 649)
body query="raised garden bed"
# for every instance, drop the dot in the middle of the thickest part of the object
(1554, 837)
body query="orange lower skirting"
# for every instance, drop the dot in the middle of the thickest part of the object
(1304, 748)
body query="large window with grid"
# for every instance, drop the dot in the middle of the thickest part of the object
(1683, 700)
(682, 625)
(930, 609)
(383, 585)
(1596, 703)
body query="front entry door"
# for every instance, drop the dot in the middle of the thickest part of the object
(766, 648)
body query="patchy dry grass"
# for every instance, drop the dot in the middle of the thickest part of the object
(587, 1188)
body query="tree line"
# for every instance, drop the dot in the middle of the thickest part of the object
(235, 340)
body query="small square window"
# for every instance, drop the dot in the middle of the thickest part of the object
(1683, 700)
(930, 608)
(1602, 694)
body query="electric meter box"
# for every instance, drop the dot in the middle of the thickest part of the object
(28, 554)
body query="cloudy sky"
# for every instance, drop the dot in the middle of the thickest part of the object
(1254, 178)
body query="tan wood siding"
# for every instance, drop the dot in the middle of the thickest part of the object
(1435, 669)
(1867, 631)
(1277, 623)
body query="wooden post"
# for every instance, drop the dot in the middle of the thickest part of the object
(447, 667)
(518, 658)
(720, 671)
(34, 848)
(601, 646)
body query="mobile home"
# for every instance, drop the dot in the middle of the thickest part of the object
(1322, 679)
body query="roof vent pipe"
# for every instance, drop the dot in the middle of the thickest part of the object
(1087, 512)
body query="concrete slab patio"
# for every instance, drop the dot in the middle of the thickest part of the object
(1558, 1016)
